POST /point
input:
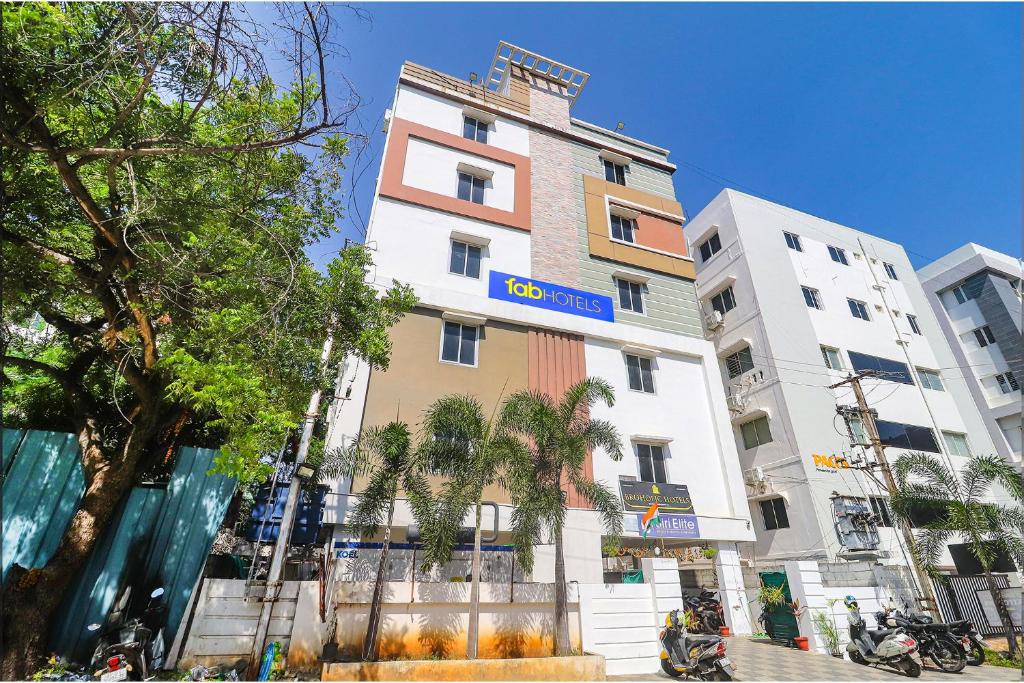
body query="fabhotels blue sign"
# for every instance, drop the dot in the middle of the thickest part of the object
(530, 292)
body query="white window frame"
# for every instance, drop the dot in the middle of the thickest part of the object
(469, 245)
(643, 295)
(712, 250)
(966, 443)
(915, 326)
(664, 460)
(478, 125)
(983, 336)
(721, 296)
(476, 345)
(739, 362)
(815, 296)
(838, 254)
(640, 365)
(890, 270)
(825, 350)
(759, 443)
(622, 219)
(483, 187)
(862, 306)
(796, 245)
(616, 169)
(927, 384)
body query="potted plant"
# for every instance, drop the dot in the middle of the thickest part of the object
(771, 596)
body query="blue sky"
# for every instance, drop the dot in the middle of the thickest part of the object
(901, 120)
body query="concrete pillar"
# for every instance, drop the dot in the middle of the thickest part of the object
(731, 589)
(666, 594)
(805, 586)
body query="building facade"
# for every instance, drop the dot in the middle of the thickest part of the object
(976, 296)
(543, 250)
(794, 304)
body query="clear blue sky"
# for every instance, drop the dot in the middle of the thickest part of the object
(900, 120)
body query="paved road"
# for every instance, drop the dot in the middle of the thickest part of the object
(764, 660)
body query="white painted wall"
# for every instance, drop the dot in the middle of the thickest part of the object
(445, 115)
(434, 167)
(416, 243)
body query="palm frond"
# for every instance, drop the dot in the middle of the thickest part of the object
(999, 470)
(604, 500)
(374, 502)
(929, 545)
(927, 468)
(584, 394)
(603, 434)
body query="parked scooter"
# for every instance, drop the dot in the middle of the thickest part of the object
(707, 609)
(124, 650)
(892, 646)
(949, 652)
(689, 655)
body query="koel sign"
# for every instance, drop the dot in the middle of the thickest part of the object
(531, 292)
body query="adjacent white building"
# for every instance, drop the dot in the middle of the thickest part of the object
(795, 303)
(976, 296)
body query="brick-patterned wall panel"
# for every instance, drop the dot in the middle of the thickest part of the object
(556, 362)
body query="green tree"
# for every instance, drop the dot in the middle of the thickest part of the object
(961, 507)
(474, 451)
(156, 210)
(560, 436)
(386, 458)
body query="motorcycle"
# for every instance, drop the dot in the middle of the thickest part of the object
(892, 646)
(688, 655)
(124, 649)
(965, 629)
(934, 640)
(708, 610)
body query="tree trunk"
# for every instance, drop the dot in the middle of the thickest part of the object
(32, 597)
(371, 645)
(473, 632)
(1004, 614)
(562, 647)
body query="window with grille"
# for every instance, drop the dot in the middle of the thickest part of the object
(631, 295)
(984, 337)
(471, 188)
(914, 327)
(651, 458)
(890, 270)
(812, 297)
(880, 506)
(756, 433)
(710, 247)
(465, 259)
(793, 241)
(724, 301)
(739, 362)
(640, 372)
(858, 309)
(773, 511)
(838, 255)
(1007, 383)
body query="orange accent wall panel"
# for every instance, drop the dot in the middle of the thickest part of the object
(556, 361)
(660, 233)
(394, 169)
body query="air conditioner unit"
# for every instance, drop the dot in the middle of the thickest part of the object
(735, 404)
(713, 320)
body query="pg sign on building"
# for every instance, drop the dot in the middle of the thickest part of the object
(674, 506)
(540, 294)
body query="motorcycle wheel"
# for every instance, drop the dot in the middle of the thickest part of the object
(857, 658)
(911, 668)
(976, 657)
(667, 667)
(948, 655)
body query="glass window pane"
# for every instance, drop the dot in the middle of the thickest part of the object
(658, 458)
(450, 344)
(467, 355)
(633, 370)
(768, 514)
(624, 296)
(478, 190)
(764, 433)
(643, 454)
(781, 516)
(646, 376)
(465, 186)
(627, 229)
(616, 227)
(458, 261)
(635, 293)
(609, 171)
(469, 128)
(620, 174)
(473, 262)
(749, 435)
(481, 132)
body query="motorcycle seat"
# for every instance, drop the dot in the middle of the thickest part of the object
(696, 639)
(881, 634)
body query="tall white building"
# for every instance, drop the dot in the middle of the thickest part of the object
(976, 295)
(795, 303)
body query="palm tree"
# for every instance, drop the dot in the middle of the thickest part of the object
(560, 435)
(473, 450)
(963, 508)
(386, 457)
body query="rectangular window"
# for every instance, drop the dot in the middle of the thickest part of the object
(930, 379)
(833, 361)
(859, 309)
(961, 294)
(614, 173)
(793, 241)
(756, 432)
(471, 188)
(911, 437)
(892, 370)
(458, 343)
(857, 427)
(724, 301)
(641, 377)
(984, 336)
(838, 255)
(914, 327)
(630, 295)
(739, 362)
(956, 444)
(880, 506)
(710, 247)
(1007, 383)
(465, 260)
(652, 462)
(623, 228)
(773, 511)
(812, 297)
(890, 270)
(474, 129)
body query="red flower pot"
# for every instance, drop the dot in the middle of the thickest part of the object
(723, 631)
(802, 643)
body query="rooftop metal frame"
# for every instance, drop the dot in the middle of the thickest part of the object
(507, 55)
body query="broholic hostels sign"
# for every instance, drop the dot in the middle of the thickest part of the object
(674, 505)
(540, 294)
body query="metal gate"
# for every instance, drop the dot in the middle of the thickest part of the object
(958, 599)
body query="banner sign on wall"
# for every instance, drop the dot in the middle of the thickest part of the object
(674, 507)
(540, 294)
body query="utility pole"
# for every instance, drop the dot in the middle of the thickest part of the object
(867, 418)
(274, 583)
